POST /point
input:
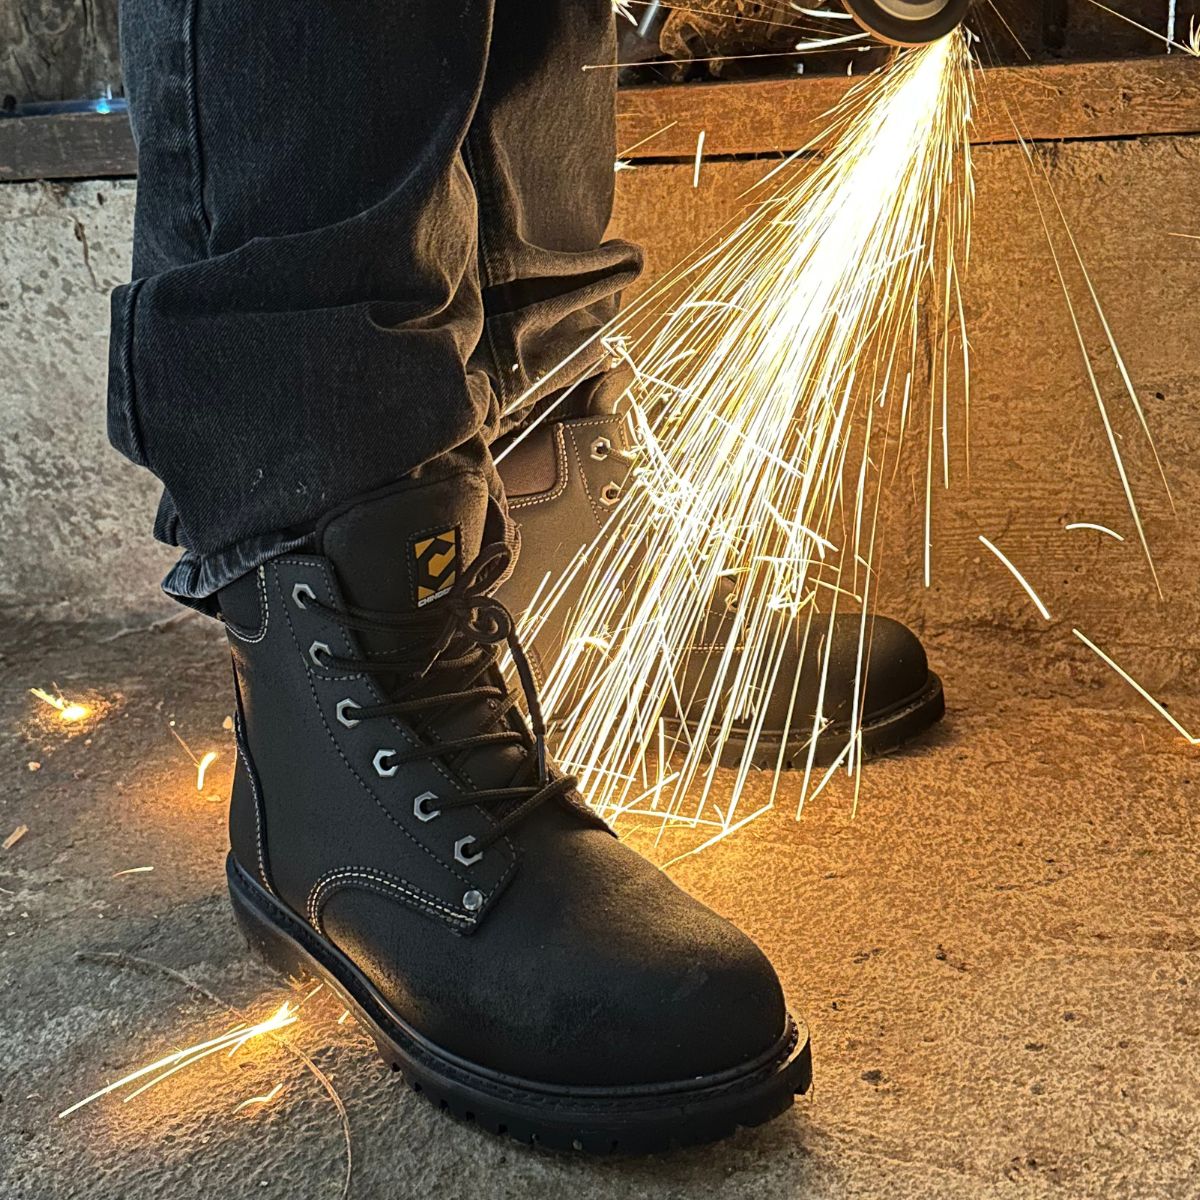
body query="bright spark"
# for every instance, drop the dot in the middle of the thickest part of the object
(769, 372)
(1157, 705)
(202, 766)
(266, 1098)
(1112, 533)
(699, 159)
(156, 1072)
(1025, 584)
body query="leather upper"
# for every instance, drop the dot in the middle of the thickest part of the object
(560, 956)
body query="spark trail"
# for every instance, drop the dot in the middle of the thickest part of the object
(770, 373)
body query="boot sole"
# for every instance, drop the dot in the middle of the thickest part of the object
(601, 1121)
(881, 734)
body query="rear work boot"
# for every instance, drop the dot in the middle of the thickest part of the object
(563, 480)
(398, 833)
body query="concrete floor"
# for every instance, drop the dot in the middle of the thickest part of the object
(999, 958)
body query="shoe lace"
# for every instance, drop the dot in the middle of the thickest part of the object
(453, 660)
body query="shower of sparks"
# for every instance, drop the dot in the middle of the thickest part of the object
(68, 710)
(624, 8)
(1112, 533)
(1157, 705)
(202, 767)
(1025, 584)
(156, 1072)
(770, 372)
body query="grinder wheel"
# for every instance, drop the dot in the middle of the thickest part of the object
(908, 22)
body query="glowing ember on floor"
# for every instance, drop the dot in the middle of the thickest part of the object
(68, 710)
(230, 1042)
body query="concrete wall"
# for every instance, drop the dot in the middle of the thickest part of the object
(74, 518)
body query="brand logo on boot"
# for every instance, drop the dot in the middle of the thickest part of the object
(435, 558)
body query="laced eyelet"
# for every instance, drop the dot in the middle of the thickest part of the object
(610, 493)
(314, 652)
(343, 705)
(380, 770)
(421, 812)
(601, 449)
(460, 851)
(302, 589)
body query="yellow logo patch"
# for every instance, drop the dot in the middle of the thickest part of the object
(435, 562)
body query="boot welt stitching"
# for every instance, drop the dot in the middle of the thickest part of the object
(341, 877)
(358, 778)
(264, 609)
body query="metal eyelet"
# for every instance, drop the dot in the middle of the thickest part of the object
(601, 449)
(472, 901)
(302, 589)
(610, 493)
(349, 722)
(421, 812)
(380, 769)
(459, 848)
(313, 653)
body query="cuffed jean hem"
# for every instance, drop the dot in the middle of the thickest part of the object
(196, 579)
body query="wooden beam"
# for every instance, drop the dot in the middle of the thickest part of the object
(66, 146)
(1051, 102)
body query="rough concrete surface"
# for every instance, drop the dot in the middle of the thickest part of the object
(999, 957)
(74, 516)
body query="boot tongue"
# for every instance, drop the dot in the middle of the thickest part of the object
(400, 552)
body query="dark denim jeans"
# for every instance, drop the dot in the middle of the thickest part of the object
(364, 229)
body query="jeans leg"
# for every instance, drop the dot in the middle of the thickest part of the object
(541, 153)
(305, 291)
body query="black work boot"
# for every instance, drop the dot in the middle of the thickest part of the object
(563, 480)
(398, 833)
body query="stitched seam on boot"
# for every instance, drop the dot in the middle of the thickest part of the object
(310, 672)
(264, 610)
(536, 498)
(361, 876)
(244, 754)
(358, 778)
(560, 459)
